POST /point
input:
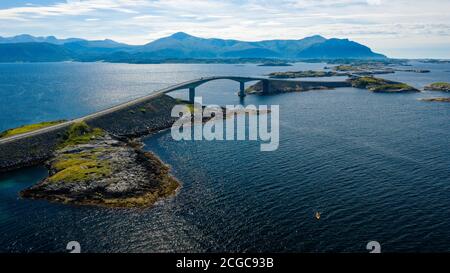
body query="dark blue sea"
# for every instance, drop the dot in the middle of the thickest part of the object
(377, 167)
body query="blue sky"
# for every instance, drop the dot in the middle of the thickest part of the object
(398, 28)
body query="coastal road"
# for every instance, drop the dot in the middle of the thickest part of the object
(180, 86)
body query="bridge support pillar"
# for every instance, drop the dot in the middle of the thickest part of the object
(242, 89)
(265, 87)
(191, 94)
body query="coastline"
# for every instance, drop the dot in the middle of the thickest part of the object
(92, 166)
(127, 124)
(135, 178)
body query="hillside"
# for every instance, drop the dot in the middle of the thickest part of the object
(33, 52)
(179, 46)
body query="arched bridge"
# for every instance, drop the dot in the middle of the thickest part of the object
(36, 146)
(191, 85)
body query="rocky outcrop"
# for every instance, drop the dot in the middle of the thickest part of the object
(277, 87)
(437, 99)
(378, 85)
(104, 171)
(96, 162)
(305, 74)
(438, 86)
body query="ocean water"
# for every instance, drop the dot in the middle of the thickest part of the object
(377, 167)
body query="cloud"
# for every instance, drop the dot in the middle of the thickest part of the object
(378, 23)
(70, 8)
(374, 2)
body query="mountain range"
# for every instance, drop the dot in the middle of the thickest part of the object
(179, 46)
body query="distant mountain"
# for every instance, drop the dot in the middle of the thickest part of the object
(93, 50)
(33, 52)
(338, 49)
(25, 38)
(182, 45)
(179, 46)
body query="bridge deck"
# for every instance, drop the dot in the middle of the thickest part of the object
(180, 86)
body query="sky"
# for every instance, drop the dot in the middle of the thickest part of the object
(396, 28)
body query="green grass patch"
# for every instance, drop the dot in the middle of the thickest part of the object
(440, 86)
(380, 85)
(302, 74)
(80, 167)
(191, 107)
(365, 82)
(346, 68)
(29, 128)
(80, 133)
(387, 87)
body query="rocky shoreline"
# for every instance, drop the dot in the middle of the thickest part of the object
(437, 99)
(438, 86)
(105, 171)
(305, 74)
(104, 165)
(378, 85)
(99, 161)
(279, 87)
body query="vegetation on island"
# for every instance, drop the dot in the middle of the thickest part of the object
(189, 105)
(91, 167)
(79, 167)
(437, 99)
(374, 68)
(365, 82)
(80, 133)
(438, 86)
(82, 166)
(346, 68)
(364, 69)
(381, 85)
(29, 128)
(304, 74)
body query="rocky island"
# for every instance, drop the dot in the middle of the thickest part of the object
(378, 85)
(91, 167)
(280, 86)
(438, 86)
(364, 69)
(368, 69)
(437, 99)
(96, 161)
(304, 74)
(372, 84)
(349, 70)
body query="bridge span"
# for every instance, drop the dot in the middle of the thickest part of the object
(137, 117)
(190, 85)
